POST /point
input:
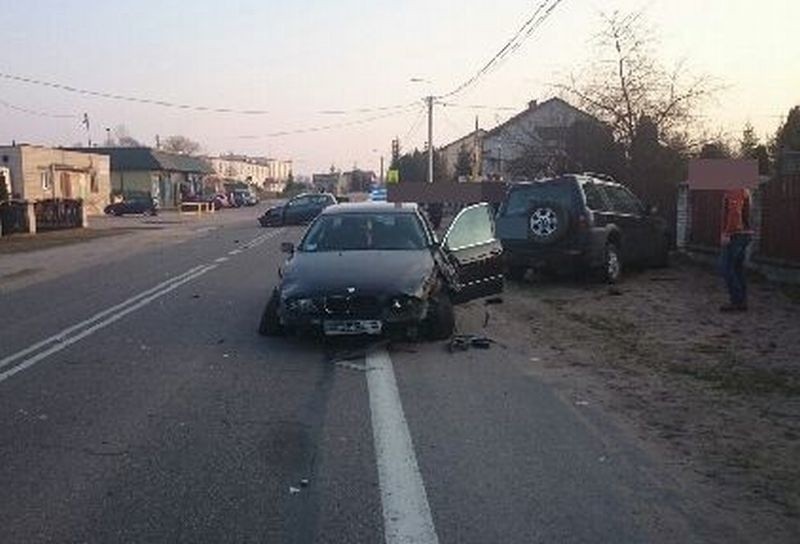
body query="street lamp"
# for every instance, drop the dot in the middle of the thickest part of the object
(380, 180)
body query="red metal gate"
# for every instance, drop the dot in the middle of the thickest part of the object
(706, 222)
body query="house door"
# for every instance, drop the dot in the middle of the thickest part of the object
(65, 184)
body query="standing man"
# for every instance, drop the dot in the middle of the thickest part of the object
(735, 238)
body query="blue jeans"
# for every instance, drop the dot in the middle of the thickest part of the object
(732, 268)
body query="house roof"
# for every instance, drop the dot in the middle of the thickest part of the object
(481, 133)
(555, 100)
(148, 159)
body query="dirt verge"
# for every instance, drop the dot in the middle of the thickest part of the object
(719, 393)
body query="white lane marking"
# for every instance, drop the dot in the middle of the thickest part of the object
(406, 513)
(27, 363)
(234, 252)
(221, 260)
(59, 337)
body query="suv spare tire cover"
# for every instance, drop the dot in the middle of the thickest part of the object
(548, 222)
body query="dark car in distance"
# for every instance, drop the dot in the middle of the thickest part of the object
(299, 210)
(579, 223)
(143, 205)
(377, 268)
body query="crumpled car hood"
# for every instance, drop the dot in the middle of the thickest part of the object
(368, 272)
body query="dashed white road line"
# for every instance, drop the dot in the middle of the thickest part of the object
(221, 260)
(406, 513)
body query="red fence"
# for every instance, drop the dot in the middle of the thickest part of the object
(706, 221)
(780, 220)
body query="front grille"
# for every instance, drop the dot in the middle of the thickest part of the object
(367, 307)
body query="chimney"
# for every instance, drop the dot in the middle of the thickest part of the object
(532, 104)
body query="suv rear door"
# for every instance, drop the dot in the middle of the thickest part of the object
(629, 216)
(473, 254)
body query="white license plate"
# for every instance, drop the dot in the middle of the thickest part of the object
(351, 327)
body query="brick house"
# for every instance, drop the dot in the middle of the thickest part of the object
(35, 173)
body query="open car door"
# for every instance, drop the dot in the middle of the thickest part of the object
(473, 254)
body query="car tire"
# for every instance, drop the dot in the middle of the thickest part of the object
(611, 270)
(548, 222)
(441, 320)
(270, 324)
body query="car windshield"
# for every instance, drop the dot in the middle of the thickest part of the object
(520, 199)
(361, 231)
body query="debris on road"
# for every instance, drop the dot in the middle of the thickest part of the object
(304, 482)
(463, 342)
(352, 366)
(293, 490)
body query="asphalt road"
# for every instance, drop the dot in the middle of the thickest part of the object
(138, 404)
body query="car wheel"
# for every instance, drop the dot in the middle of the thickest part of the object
(270, 324)
(441, 320)
(611, 271)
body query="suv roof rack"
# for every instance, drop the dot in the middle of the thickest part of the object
(603, 177)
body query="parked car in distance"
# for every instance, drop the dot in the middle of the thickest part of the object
(300, 210)
(372, 268)
(135, 205)
(579, 223)
(246, 197)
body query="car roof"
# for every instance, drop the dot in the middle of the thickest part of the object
(580, 178)
(311, 194)
(370, 207)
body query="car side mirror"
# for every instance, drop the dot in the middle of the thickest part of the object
(287, 247)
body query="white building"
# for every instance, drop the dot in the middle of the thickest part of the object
(541, 128)
(270, 174)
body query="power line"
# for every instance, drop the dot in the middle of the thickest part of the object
(38, 113)
(178, 105)
(479, 107)
(325, 127)
(540, 15)
(415, 125)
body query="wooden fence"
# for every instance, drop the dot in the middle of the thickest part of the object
(780, 220)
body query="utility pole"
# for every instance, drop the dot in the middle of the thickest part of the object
(429, 100)
(381, 178)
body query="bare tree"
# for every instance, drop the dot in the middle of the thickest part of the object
(180, 144)
(124, 138)
(627, 82)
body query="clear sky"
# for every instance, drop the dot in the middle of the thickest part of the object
(295, 58)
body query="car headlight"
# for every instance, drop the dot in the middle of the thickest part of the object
(303, 305)
(403, 304)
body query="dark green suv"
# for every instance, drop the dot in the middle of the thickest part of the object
(579, 223)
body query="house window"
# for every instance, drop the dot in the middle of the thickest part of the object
(44, 177)
(93, 184)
